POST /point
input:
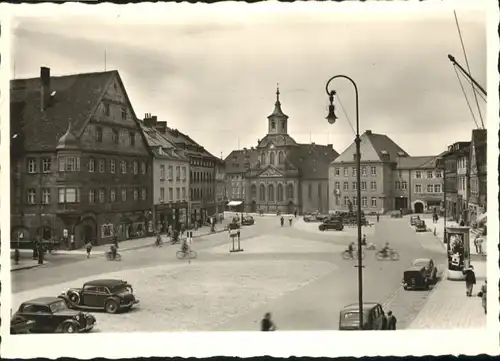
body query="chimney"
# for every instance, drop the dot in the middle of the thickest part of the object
(44, 87)
(161, 127)
(330, 146)
(150, 120)
(368, 132)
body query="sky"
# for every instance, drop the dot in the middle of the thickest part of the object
(213, 74)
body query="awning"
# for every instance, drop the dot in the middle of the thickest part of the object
(482, 218)
(234, 203)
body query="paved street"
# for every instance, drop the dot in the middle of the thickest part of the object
(296, 272)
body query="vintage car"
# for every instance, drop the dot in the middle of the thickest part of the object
(52, 315)
(247, 221)
(420, 226)
(310, 218)
(414, 279)
(108, 295)
(373, 317)
(414, 219)
(429, 266)
(332, 223)
(20, 325)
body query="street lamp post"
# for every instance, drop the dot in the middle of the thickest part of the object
(331, 119)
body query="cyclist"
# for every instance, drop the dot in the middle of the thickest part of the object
(350, 249)
(363, 241)
(386, 249)
(113, 250)
(158, 240)
(184, 245)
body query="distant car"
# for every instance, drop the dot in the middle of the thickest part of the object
(414, 219)
(322, 217)
(396, 214)
(333, 223)
(247, 221)
(373, 317)
(52, 315)
(420, 226)
(309, 218)
(108, 295)
(429, 266)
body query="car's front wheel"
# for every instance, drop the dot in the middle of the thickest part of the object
(111, 306)
(69, 327)
(74, 297)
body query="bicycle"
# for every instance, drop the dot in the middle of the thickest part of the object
(109, 256)
(354, 255)
(388, 255)
(189, 253)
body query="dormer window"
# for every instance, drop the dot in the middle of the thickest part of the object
(273, 125)
(384, 152)
(124, 114)
(106, 109)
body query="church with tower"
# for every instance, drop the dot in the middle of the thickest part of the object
(279, 174)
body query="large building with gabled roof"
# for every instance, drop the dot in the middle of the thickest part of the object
(80, 165)
(279, 174)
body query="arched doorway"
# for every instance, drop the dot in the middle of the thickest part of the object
(87, 231)
(419, 207)
(254, 207)
(290, 208)
(20, 237)
(45, 233)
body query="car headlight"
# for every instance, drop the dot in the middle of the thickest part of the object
(77, 317)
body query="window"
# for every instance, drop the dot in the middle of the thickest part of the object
(98, 134)
(184, 171)
(374, 202)
(398, 185)
(364, 201)
(262, 158)
(430, 188)
(132, 138)
(183, 193)
(170, 194)
(70, 164)
(437, 188)
(404, 185)
(271, 158)
(106, 109)
(418, 188)
(46, 165)
(112, 166)
(124, 114)
(346, 186)
(46, 196)
(162, 194)
(123, 166)
(124, 194)
(136, 167)
(91, 196)
(346, 201)
(102, 166)
(273, 125)
(280, 193)
(363, 186)
(355, 201)
(112, 195)
(177, 194)
(418, 174)
(171, 172)
(177, 173)
(373, 186)
(106, 230)
(337, 171)
(31, 165)
(354, 186)
(373, 170)
(354, 171)
(319, 191)
(290, 191)
(136, 194)
(143, 167)
(310, 191)
(337, 185)
(346, 172)
(91, 165)
(270, 191)
(281, 158)
(438, 174)
(102, 195)
(429, 174)
(363, 170)
(162, 172)
(143, 194)
(68, 195)
(115, 137)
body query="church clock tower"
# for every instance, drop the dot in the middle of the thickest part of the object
(278, 121)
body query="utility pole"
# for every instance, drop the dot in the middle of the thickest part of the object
(454, 62)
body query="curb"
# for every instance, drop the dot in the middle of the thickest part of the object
(28, 267)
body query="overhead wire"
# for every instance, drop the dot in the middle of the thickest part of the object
(465, 95)
(345, 113)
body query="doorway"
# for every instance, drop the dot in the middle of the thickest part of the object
(254, 207)
(419, 207)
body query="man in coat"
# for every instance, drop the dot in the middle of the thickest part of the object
(470, 280)
(391, 321)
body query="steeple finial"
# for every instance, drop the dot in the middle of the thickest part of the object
(278, 92)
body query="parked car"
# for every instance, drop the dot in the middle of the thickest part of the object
(52, 315)
(429, 266)
(332, 223)
(373, 316)
(420, 226)
(414, 219)
(414, 279)
(247, 221)
(309, 218)
(108, 295)
(322, 217)
(21, 325)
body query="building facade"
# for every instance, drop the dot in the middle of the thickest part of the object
(463, 157)
(220, 186)
(280, 174)
(201, 171)
(87, 179)
(478, 172)
(170, 181)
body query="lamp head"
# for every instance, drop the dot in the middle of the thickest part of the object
(331, 117)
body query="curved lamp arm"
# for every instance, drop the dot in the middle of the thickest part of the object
(333, 92)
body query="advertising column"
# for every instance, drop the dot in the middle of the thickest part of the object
(458, 251)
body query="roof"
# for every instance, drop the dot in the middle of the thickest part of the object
(421, 162)
(43, 300)
(184, 141)
(421, 260)
(374, 148)
(235, 161)
(75, 100)
(355, 306)
(106, 282)
(277, 112)
(160, 146)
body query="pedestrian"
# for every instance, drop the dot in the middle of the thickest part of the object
(470, 280)
(267, 324)
(238, 234)
(89, 248)
(384, 321)
(479, 247)
(282, 220)
(17, 256)
(295, 213)
(462, 223)
(391, 321)
(378, 217)
(482, 294)
(290, 220)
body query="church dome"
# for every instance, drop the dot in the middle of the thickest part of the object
(68, 140)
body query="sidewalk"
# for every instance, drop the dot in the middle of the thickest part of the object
(447, 307)
(25, 264)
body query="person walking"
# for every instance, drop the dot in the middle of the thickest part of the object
(290, 220)
(384, 321)
(267, 323)
(88, 246)
(378, 217)
(470, 280)
(482, 294)
(295, 213)
(479, 245)
(282, 220)
(391, 321)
